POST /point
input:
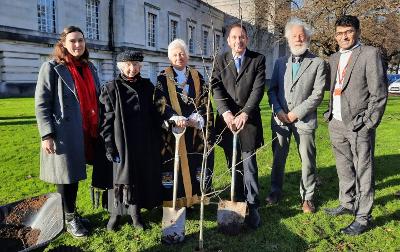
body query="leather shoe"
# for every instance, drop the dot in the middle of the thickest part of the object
(308, 206)
(355, 228)
(253, 220)
(273, 198)
(338, 211)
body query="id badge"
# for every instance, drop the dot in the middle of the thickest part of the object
(337, 91)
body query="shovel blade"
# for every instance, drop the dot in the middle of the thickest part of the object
(173, 225)
(231, 216)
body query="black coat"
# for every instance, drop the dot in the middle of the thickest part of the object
(131, 127)
(193, 137)
(240, 92)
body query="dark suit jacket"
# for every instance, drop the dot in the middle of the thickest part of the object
(238, 92)
(364, 92)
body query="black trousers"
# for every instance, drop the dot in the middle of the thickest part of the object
(68, 195)
(246, 182)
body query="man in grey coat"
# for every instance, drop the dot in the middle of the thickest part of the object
(296, 90)
(358, 99)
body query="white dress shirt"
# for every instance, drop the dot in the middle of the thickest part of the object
(344, 60)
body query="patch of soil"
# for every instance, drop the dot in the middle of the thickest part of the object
(24, 208)
(15, 238)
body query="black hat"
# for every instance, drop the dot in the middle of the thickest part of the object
(130, 56)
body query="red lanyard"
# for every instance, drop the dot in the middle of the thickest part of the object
(341, 76)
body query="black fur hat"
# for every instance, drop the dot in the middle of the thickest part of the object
(130, 56)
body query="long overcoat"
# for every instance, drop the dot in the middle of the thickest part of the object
(58, 113)
(131, 128)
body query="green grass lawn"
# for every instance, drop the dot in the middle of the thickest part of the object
(284, 227)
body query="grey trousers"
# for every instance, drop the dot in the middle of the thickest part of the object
(246, 183)
(306, 148)
(354, 152)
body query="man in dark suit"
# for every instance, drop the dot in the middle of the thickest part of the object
(238, 87)
(358, 99)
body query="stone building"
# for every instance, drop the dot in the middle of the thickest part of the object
(29, 29)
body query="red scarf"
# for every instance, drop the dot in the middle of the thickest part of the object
(87, 97)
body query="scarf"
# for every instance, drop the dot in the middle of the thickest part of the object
(87, 97)
(130, 80)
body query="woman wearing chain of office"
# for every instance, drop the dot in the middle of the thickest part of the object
(182, 96)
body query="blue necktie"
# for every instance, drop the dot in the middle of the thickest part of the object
(238, 63)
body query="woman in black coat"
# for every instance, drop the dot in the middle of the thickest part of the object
(131, 132)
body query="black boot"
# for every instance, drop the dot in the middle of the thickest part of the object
(113, 222)
(253, 220)
(137, 220)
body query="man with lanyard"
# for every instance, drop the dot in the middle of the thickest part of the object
(238, 87)
(296, 90)
(358, 99)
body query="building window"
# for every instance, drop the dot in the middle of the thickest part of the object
(205, 42)
(151, 29)
(46, 15)
(92, 19)
(173, 30)
(217, 42)
(191, 38)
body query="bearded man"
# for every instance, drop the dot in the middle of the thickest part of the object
(296, 90)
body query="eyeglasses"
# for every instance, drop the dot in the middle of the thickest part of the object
(347, 33)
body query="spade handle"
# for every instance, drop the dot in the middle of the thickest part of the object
(178, 133)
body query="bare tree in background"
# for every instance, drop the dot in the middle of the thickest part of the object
(380, 22)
